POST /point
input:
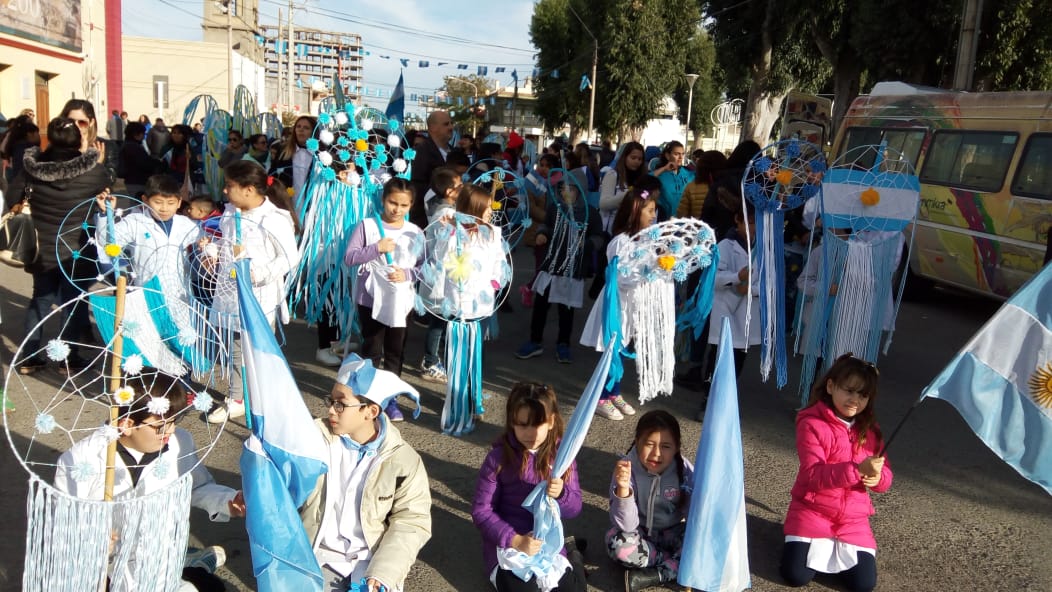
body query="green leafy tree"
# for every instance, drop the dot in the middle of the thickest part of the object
(562, 58)
(459, 92)
(1015, 46)
(701, 60)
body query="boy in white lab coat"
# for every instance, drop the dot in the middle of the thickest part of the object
(152, 454)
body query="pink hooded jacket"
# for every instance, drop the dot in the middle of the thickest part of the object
(829, 500)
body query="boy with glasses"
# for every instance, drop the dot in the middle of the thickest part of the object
(370, 515)
(152, 454)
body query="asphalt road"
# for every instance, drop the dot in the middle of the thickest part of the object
(957, 517)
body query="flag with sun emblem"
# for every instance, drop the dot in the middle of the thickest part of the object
(1001, 382)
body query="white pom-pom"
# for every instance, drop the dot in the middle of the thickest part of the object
(325, 137)
(399, 165)
(394, 141)
(325, 158)
(133, 364)
(340, 118)
(367, 124)
(354, 179)
(211, 250)
(384, 178)
(158, 405)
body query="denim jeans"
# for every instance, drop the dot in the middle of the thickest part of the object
(436, 332)
(52, 288)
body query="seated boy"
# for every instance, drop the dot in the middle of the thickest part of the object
(151, 455)
(369, 516)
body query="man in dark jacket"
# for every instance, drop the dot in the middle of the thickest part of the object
(429, 156)
(56, 181)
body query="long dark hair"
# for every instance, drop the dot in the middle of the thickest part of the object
(710, 164)
(655, 421)
(843, 370)
(625, 177)
(246, 173)
(540, 403)
(63, 137)
(626, 219)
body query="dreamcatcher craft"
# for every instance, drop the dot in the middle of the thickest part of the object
(869, 200)
(573, 221)
(466, 266)
(638, 300)
(76, 536)
(779, 178)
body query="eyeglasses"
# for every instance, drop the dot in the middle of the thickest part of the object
(340, 406)
(83, 123)
(159, 428)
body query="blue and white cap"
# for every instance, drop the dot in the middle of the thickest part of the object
(378, 386)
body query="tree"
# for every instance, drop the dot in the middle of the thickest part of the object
(1015, 46)
(557, 37)
(700, 60)
(460, 93)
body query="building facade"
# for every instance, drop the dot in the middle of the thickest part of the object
(317, 56)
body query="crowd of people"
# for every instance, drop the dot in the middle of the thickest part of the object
(370, 516)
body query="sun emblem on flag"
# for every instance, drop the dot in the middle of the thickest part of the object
(1041, 386)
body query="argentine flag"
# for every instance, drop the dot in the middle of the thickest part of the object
(1001, 382)
(282, 459)
(715, 555)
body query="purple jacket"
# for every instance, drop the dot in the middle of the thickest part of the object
(829, 500)
(497, 509)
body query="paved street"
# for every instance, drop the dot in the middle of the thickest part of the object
(956, 518)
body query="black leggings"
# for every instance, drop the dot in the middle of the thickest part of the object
(382, 344)
(861, 578)
(539, 318)
(572, 581)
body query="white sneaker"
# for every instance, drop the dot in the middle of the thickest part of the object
(326, 357)
(622, 405)
(606, 409)
(231, 410)
(342, 348)
(210, 558)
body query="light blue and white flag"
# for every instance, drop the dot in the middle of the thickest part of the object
(281, 460)
(715, 551)
(1001, 381)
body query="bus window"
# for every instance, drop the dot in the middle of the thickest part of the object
(908, 141)
(1034, 177)
(970, 160)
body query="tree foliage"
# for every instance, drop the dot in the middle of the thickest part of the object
(558, 39)
(700, 60)
(459, 92)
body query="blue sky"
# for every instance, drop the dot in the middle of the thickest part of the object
(487, 33)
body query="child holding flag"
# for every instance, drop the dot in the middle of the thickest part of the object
(838, 441)
(370, 515)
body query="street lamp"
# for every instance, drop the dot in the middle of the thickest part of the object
(474, 123)
(691, 79)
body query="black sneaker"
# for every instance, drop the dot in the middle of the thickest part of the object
(641, 579)
(32, 365)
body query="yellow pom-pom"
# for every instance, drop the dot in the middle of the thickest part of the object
(290, 191)
(112, 250)
(495, 206)
(784, 177)
(361, 145)
(869, 197)
(124, 395)
(666, 262)
(233, 274)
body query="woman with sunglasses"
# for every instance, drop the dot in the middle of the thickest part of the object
(56, 181)
(83, 114)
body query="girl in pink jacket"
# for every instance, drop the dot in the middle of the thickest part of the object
(838, 442)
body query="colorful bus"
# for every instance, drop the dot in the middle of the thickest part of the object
(985, 167)
(807, 117)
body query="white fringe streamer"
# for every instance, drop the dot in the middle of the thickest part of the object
(68, 540)
(654, 337)
(770, 270)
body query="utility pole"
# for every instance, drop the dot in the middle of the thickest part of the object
(292, 69)
(968, 44)
(230, 55)
(595, 67)
(277, 46)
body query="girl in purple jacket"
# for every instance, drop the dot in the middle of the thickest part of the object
(521, 458)
(838, 442)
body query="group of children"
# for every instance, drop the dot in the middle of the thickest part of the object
(838, 441)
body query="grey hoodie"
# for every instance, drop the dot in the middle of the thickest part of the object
(654, 503)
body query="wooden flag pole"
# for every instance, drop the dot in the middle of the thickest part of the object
(115, 382)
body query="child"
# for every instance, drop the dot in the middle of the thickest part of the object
(729, 297)
(149, 443)
(259, 220)
(573, 229)
(155, 237)
(389, 250)
(649, 499)
(537, 199)
(520, 459)
(838, 441)
(638, 210)
(445, 186)
(370, 514)
(204, 211)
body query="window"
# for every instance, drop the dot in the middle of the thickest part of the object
(907, 141)
(1034, 176)
(970, 160)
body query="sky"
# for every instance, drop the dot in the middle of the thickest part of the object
(483, 34)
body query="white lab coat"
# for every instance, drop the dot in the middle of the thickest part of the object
(727, 302)
(152, 251)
